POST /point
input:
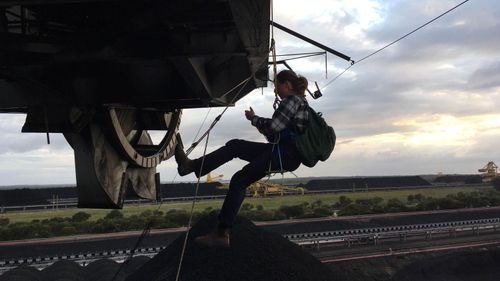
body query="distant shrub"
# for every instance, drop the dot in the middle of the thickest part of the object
(80, 216)
(114, 214)
(110, 225)
(279, 215)
(4, 221)
(343, 201)
(292, 211)
(256, 215)
(496, 183)
(354, 209)
(370, 201)
(147, 214)
(322, 212)
(316, 204)
(246, 207)
(395, 205)
(57, 220)
(415, 198)
(177, 217)
(68, 230)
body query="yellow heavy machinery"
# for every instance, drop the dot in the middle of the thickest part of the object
(211, 178)
(489, 171)
(263, 189)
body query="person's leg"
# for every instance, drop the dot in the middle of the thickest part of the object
(245, 150)
(249, 174)
(252, 172)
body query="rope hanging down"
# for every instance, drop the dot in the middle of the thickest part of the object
(242, 85)
(147, 228)
(192, 210)
(392, 43)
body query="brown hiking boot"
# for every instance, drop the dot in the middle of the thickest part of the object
(217, 238)
(185, 165)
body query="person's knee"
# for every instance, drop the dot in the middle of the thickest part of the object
(238, 180)
(234, 143)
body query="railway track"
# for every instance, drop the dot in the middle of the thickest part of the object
(327, 246)
(377, 234)
(395, 250)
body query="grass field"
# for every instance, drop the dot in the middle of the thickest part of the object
(268, 203)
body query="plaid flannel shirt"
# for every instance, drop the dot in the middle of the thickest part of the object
(292, 113)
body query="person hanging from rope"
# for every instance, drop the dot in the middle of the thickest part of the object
(280, 153)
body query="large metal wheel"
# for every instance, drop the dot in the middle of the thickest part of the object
(129, 133)
(118, 153)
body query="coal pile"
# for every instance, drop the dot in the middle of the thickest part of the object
(33, 196)
(460, 179)
(363, 183)
(254, 254)
(99, 270)
(188, 189)
(483, 265)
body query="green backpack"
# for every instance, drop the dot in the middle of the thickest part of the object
(318, 140)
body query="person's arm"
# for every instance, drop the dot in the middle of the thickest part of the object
(280, 119)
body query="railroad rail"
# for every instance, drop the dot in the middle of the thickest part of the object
(346, 237)
(376, 234)
(82, 259)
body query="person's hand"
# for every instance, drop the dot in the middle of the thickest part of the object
(249, 114)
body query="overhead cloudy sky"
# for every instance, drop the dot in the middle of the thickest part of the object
(428, 104)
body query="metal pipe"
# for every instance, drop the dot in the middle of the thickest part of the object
(317, 44)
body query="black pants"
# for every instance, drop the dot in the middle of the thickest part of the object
(259, 155)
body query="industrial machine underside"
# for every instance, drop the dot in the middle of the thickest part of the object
(107, 73)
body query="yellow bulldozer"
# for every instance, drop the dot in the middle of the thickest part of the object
(263, 189)
(211, 178)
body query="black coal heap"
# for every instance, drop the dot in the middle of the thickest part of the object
(254, 254)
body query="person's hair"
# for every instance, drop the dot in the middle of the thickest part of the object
(299, 83)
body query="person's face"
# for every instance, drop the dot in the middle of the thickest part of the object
(283, 89)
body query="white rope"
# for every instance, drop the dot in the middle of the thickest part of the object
(207, 134)
(192, 210)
